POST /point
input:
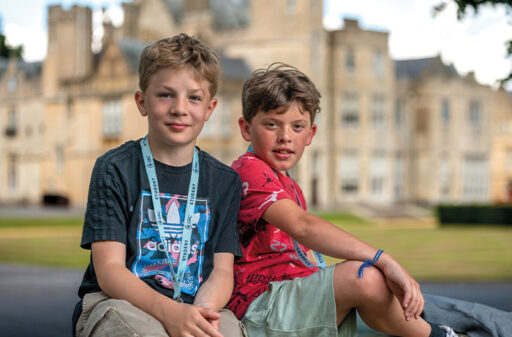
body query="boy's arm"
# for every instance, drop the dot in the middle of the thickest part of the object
(118, 282)
(324, 237)
(216, 291)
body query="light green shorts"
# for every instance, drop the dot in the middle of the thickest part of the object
(302, 307)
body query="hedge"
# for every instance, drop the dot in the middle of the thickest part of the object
(475, 214)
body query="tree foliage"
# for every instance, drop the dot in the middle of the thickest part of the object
(475, 5)
(7, 51)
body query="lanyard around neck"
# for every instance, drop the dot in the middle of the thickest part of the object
(189, 214)
(298, 250)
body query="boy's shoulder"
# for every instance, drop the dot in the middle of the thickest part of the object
(217, 166)
(249, 164)
(121, 153)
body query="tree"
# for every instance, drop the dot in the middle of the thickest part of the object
(7, 51)
(462, 10)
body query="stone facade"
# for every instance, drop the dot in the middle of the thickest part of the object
(389, 131)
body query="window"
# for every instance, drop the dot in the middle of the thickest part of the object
(444, 178)
(219, 123)
(225, 120)
(291, 6)
(12, 122)
(11, 172)
(350, 110)
(475, 177)
(378, 63)
(112, 115)
(350, 61)
(399, 112)
(399, 178)
(59, 154)
(445, 112)
(377, 174)
(12, 84)
(474, 117)
(349, 172)
(378, 111)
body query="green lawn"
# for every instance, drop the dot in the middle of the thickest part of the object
(430, 252)
(53, 242)
(454, 253)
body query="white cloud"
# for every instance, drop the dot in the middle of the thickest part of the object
(475, 43)
(33, 39)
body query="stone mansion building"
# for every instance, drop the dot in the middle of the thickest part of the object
(390, 131)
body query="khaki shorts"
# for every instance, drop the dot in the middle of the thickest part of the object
(103, 316)
(304, 306)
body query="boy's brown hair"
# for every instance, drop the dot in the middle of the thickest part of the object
(278, 86)
(177, 52)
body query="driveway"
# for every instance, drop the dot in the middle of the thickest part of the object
(39, 301)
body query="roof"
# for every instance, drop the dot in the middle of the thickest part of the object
(131, 50)
(227, 15)
(176, 9)
(28, 69)
(234, 68)
(414, 68)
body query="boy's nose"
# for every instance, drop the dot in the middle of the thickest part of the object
(284, 135)
(178, 106)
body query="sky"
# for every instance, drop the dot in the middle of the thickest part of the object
(475, 43)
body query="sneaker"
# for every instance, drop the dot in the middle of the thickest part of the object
(449, 331)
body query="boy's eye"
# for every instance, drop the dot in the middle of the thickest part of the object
(299, 127)
(164, 95)
(195, 98)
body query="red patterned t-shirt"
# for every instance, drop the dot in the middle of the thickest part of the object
(268, 253)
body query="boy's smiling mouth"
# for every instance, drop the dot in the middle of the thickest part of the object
(177, 126)
(283, 153)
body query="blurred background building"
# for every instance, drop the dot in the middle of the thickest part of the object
(406, 132)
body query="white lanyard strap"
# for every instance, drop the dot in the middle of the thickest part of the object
(298, 250)
(189, 214)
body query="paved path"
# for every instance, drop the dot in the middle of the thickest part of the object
(38, 301)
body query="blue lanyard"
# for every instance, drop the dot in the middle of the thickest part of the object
(298, 250)
(189, 214)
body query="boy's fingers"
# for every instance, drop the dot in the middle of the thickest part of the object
(407, 302)
(209, 313)
(204, 328)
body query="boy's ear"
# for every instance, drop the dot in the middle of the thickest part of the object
(245, 129)
(312, 133)
(139, 100)
(211, 107)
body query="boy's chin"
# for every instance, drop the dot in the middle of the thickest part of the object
(281, 169)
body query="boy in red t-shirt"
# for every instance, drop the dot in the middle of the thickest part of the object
(278, 290)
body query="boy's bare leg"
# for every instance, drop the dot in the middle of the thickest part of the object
(375, 303)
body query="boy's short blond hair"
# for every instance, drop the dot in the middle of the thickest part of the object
(278, 86)
(177, 52)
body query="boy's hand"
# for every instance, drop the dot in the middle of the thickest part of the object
(214, 321)
(192, 320)
(403, 286)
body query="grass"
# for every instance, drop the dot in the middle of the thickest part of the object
(433, 253)
(43, 241)
(428, 252)
(39, 222)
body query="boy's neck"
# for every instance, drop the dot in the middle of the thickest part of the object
(172, 155)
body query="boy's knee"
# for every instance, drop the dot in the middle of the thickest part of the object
(371, 287)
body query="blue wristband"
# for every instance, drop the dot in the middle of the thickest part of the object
(368, 263)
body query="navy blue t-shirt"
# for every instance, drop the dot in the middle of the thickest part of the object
(120, 208)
